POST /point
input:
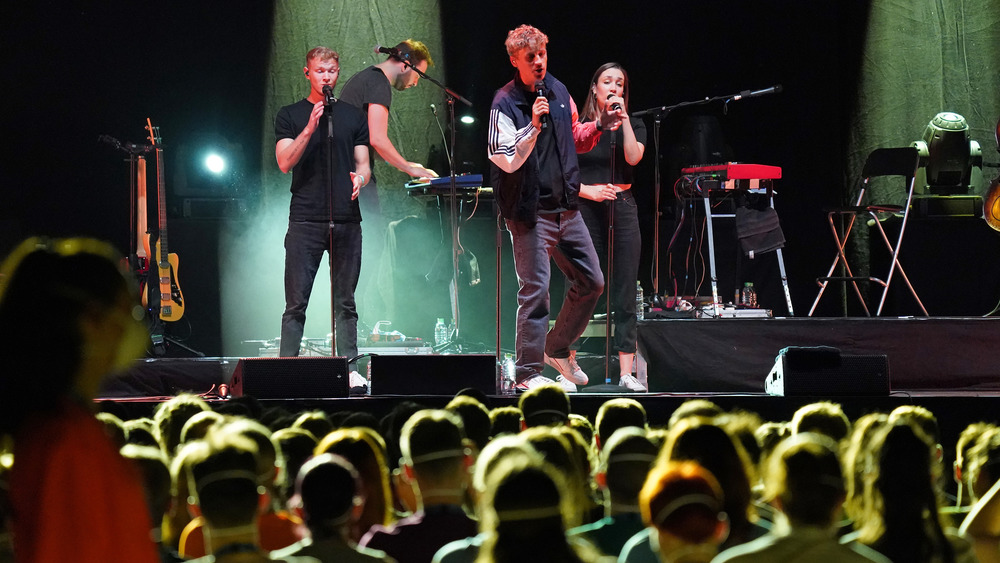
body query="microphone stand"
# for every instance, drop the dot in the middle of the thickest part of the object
(609, 284)
(659, 113)
(453, 342)
(331, 162)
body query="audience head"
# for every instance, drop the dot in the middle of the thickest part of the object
(695, 407)
(434, 448)
(297, 446)
(583, 426)
(114, 428)
(743, 425)
(270, 462)
(223, 480)
(171, 416)
(684, 504)
(140, 431)
(505, 420)
(857, 461)
(920, 416)
(618, 413)
(625, 462)
(73, 292)
(330, 497)
(806, 481)
(316, 422)
(546, 405)
(982, 463)
(199, 424)
(365, 450)
(155, 471)
(824, 418)
(475, 419)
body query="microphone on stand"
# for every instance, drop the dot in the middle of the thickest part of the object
(540, 93)
(392, 52)
(444, 138)
(776, 89)
(328, 94)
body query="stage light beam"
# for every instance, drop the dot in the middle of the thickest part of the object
(215, 163)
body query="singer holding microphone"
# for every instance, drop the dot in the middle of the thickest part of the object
(534, 137)
(324, 213)
(609, 92)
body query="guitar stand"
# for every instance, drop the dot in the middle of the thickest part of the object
(162, 341)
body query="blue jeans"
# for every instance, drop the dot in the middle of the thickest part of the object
(628, 246)
(305, 243)
(564, 238)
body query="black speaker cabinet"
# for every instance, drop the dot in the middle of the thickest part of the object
(433, 375)
(824, 371)
(291, 378)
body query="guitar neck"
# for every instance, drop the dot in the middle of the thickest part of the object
(161, 204)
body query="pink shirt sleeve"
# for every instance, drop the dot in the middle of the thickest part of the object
(585, 135)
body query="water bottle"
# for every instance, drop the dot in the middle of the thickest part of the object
(749, 297)
(640, 302)
(440, 332)
(507, 375)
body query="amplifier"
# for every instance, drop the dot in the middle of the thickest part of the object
(438, 374)
(291, 378)
(819, 371)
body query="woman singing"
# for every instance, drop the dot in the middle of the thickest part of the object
(610, 86)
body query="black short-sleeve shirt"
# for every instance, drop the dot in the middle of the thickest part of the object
(370, 86)
(309, 198)
(595, 166)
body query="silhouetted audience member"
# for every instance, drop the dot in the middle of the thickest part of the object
(805, 484)
(901, 517)
(505, 420)
(199, 424)
(857, 462)
(695, 407)
(65, 465)
(114, 428)
(556, 450)
(823, 417)
(617, 413)
(316, 422)
(525, 517)
(437, 458)
(582, 425)
(624, 465)
(297, 445)
(141, 432)
(974, 468)
(681, 503)
(365, 450)
(544, 405)
(170, 416)
(328, 499)
(152, 463)
(475, 419)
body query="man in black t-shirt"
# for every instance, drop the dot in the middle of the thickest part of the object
(324, 213)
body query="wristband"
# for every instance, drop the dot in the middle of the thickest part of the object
(362, 176)
(597, 125)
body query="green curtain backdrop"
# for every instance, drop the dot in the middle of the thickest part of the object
(352, 28)
(922, 57)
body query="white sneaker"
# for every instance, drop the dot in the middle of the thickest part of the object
(578, 372)
(629, 382)
(531, 382)
(354, 379)
(565, 368)
(567, 385)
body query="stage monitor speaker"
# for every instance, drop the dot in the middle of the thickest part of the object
(819, 371)
(291, 378)
(433, 375)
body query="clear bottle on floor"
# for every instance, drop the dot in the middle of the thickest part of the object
(640, 302)
(440, 332)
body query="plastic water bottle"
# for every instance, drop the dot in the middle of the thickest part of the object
(507, 375)
(440, 332)
(749, 298)
(640, 302)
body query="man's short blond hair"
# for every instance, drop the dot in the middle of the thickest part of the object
(322, 54)
(525, 37)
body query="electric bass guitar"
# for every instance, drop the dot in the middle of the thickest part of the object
(991, 203)
(171, 298)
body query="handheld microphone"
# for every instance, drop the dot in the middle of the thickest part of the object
(615, 106)
(776, 89)
(540, 93)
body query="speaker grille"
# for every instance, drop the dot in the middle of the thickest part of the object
(291, 378)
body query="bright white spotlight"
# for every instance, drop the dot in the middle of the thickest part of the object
(467, 119)
(215, 163)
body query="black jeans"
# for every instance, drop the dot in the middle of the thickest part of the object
(628, 245)
(305, 243)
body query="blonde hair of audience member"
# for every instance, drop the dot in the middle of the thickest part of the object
(556, 449)
(583, 426)
(316, 422)
(805, 480)
(901, 518)
(545, 405)
(822, 417)
(625, 462)
(297, 446)
(114, 427)
(617, 413)
(436, 456)
(683, 503)
(171, 415)
(505, 420)
(920, 416)
(981, 462)
(769, 435)
(365, 450)
(270, 462)
(695, 407)
(525, 515)
(856, 462)
(178, 515)
(497, 450)
(742, 425)
(141, 432)
(198, 426)
(704, 441)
